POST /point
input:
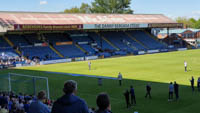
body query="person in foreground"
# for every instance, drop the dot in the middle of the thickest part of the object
(38, 106)
(70, 103)
(103, 103)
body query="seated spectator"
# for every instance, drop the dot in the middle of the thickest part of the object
(70, 103)
(3, 109)
(38, 106)
(91, 110)
(103, 103)
(26, 106)
(3, 99)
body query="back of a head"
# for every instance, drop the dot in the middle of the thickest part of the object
(103, 101)
(70, 87)
(41, 95)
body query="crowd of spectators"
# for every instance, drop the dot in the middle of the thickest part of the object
(12, 103)
(68, 103)
(11, 61)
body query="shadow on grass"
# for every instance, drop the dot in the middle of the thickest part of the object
(88, 89)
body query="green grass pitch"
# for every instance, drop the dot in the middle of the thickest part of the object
(157, 69)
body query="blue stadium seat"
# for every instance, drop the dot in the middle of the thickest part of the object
(17, 40)
(3, 43)
(39, 51)
(146, 39)
(70, 51)
(98, 40)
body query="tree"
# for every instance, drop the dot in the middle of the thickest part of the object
(197, 25)
(72, 10)
(185, 21)
(191, 22)
(104, 6)
(84, 8)
(111, 6)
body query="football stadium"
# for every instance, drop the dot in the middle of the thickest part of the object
(40, 51)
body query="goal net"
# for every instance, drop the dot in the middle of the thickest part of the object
(25, 84)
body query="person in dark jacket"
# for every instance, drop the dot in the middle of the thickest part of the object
(148, 89)
(126, 94)
(192, 83)
(3, 99)
(176, 90)
(132, 92)
(198, 84)
(70, 103)
(103, 103)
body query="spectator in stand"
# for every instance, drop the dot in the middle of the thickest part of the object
(171, 91)
(91, 110)
(103, 103)
(70, 103)
(148, 90)
(26, 106)
(126, 94)
(3, 99)
(120, 78)
(38, 106)
(192, 83)
(176, 90)
(4, 109)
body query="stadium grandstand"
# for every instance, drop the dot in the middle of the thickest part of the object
(31, 37)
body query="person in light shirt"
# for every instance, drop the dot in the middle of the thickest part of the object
(89, 65)
(120, 78)
(171, 91)
(185, 64)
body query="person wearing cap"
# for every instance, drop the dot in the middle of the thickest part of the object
(69, 102)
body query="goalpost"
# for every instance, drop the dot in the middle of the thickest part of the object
(27, 84)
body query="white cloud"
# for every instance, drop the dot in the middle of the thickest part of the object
(196, 12)
(44, 2)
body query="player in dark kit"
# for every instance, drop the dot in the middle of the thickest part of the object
(132, 92)
(192, 83)
(176, 90)
(198, 84)
(126, 94)
(148, 89)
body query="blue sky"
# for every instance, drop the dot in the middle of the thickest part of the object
(171, 8)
